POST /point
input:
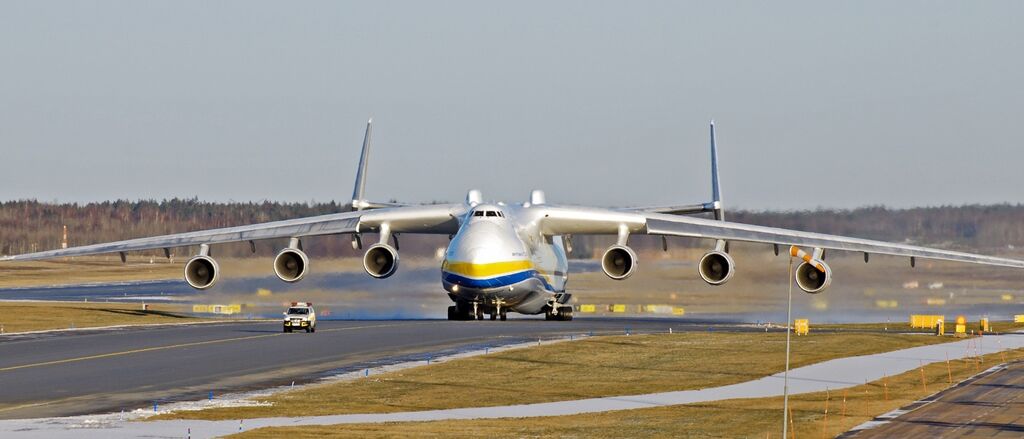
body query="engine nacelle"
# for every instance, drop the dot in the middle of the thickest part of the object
(812, 280)
(716, 267)
(291, 265)
(380, 261)
(618, 262)
(201, 272)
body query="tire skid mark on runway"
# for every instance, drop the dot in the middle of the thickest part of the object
(183, 345)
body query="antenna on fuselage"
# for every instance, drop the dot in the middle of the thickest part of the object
(358, 192)
(474, 197)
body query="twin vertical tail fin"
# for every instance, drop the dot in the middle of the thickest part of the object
(716, 189)
(359, 201)
(714, 206)
(359, 191)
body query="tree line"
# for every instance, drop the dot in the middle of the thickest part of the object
(29, 225)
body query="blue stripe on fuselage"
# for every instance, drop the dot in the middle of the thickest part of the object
(494, 282)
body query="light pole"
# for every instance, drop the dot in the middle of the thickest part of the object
(785, 374)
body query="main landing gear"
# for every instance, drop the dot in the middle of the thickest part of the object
(564, 314)
(475, 313)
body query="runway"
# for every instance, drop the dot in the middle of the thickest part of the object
(84, 372)
(991, 405)
(832, 374)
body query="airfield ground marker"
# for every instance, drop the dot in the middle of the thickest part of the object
(885, 385)
(824, 419)
(949, 372)
(924, 385)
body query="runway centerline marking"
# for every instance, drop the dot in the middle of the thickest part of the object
(180, 345)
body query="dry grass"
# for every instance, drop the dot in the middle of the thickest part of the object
(741, 418)
(110, 269)
(601, 366)
(760, 286)
(36, 316)
(86, 270)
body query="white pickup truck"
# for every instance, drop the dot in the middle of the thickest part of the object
(300, 316)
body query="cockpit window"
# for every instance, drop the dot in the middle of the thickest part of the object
(489, 213)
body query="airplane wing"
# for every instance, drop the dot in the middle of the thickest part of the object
(580, 220)
(430, 219)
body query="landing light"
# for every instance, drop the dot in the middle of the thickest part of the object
(455, 288)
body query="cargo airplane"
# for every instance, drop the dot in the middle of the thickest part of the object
(512, 256)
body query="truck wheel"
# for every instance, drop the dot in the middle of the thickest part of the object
(312, 329)
(287, 329)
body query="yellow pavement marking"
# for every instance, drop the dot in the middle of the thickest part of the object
(174, 346)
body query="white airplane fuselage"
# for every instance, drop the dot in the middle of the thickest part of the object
(500, 260)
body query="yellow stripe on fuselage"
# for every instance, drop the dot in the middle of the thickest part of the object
(492, 269)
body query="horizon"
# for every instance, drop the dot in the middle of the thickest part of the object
(507, 202)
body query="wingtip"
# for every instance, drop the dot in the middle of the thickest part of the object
(368, 122)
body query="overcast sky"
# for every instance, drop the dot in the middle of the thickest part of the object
(816, 103)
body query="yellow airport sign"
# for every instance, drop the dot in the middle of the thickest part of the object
(801, 326)
(961, 326)
(1019, 318)
(887, 304)
(925, 320)
(588, 308)
(217, 309)
(618, 308)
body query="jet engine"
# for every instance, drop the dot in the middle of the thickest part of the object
(291, 265)
(716, 267)
(380, 261)
(812, 280)
(201, 272)
(618, 262)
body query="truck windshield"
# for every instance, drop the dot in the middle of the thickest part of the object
(298, 310)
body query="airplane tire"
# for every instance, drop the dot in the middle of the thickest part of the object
(453, 313)
(503, 317)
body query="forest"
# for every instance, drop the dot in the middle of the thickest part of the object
(29, 225)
